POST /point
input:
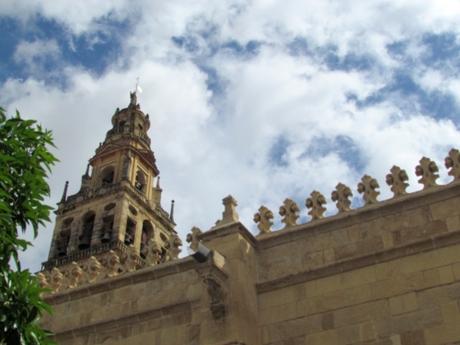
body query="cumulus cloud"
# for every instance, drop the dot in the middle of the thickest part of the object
(37, 56)
(252, 98)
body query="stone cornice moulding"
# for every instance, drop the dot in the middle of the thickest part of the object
(229, 229)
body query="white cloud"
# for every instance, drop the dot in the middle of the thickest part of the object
(35, 55)
(79, 17)
(209, 145)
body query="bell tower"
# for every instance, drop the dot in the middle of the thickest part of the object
(118, 207)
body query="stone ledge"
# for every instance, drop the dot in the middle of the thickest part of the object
(148, 273)
(413, 248)
(180, 308)
(228, 229)
(364, 214)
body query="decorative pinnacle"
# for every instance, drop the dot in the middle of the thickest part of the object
(263, 219)
(341, 196)
(315, 203)
(230, 215)
(64, 194)
(87, 171)
(368, 187)
(452, 162)
(171, 214)
(193, 238)
(397, 180)
(290, 213)
(427, 169)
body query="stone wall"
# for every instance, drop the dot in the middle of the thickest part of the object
(376, 228)
(411, 300)
(151, 306)
(386, 274)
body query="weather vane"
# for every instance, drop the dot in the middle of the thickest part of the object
(138, 88)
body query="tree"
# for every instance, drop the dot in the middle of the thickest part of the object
(24, 164)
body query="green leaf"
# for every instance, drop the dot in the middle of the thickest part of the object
(24, 161)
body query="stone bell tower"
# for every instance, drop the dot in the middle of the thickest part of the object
(118, 207)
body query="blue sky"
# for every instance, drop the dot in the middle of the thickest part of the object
(259, 99)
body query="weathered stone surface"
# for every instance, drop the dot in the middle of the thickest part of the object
(452, 162)
(428, 172)
(193, 238)
(341, 195)
(397, 180)
(368, 188)
(315, 204)
(290, 213)
(230, 215)
(263, 219)
(388, 274)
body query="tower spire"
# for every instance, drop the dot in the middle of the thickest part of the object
(118, 181)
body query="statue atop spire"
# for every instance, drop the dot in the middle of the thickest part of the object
(133, 95)
(133, 101)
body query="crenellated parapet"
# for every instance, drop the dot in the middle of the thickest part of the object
(427, 171)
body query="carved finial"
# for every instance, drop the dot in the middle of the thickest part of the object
(397, 180)
(130, 264)
(340, 196)
(315, 203)
(42, 280)
(56, 279)
(192, 238)
(153, 253)
(174, 244)
(158, 183)
(93, 269)
(230, 215)
(64, 194)
(75, 274)
(367, 187)
(427, 169)
(290, 213)
(171, 214)
(452, 162)
(112, 263)
(264, 219)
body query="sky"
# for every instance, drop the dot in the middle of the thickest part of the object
(259, 99)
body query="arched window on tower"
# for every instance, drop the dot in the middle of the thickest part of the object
(130, 231)
(147, 234)
(107, 229)
(63, 239)
(86, 231)
(121, 126)
(107, 176)
(140, 181)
